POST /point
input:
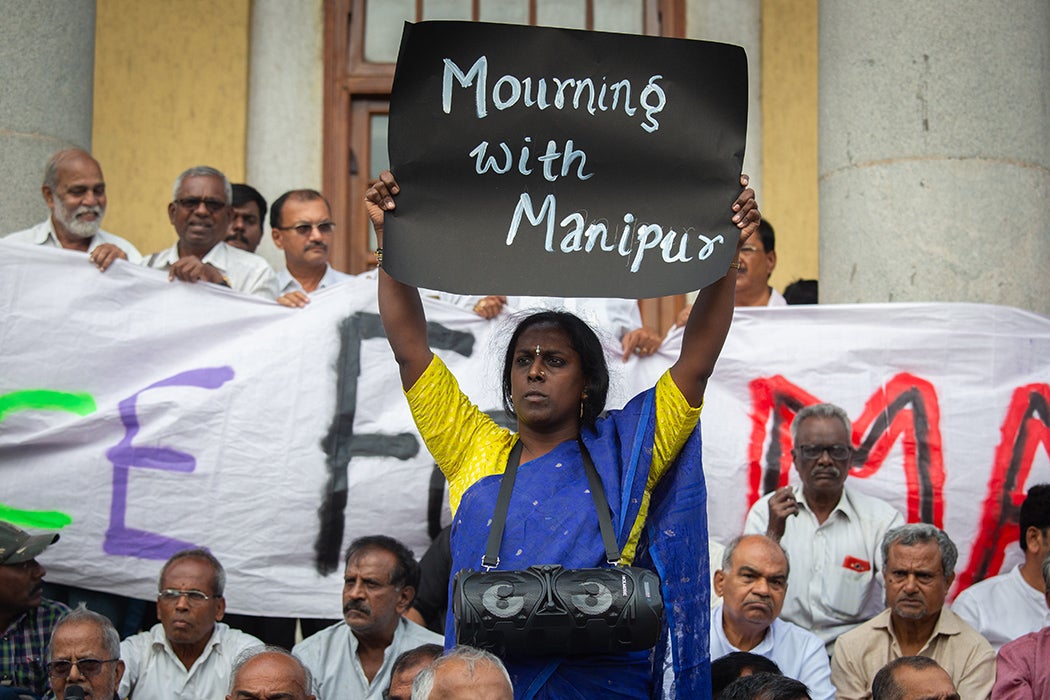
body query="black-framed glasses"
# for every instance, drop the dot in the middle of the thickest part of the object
(325, 228)
(89, 668)
(838, 452)
(171, 595)
(192, 203)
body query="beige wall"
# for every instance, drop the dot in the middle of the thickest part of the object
(789, 135)
(171, 92)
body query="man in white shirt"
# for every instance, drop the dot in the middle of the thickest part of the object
(75, 192)
(1007, 606)
(303, 228)
(831, 533)
(190, 654)
(354, 658)
(753, 581)
(200, 211)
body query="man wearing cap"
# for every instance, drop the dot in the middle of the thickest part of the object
(26, 617)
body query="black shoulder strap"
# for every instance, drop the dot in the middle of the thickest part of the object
(499, 519)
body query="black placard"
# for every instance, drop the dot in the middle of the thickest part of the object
(559, 162)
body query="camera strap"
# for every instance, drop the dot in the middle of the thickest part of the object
(499, 519)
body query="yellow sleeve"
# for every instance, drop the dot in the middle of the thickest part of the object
(675, 420)
(466, 444)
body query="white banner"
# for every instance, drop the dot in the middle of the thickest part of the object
(140, 416)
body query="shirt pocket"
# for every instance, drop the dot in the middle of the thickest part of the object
(846, 592)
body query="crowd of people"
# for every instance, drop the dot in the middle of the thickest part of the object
(825, 593)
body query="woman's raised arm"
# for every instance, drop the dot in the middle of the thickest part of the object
(712, 313)
(399, 304)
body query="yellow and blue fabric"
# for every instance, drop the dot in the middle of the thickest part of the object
(648, 457)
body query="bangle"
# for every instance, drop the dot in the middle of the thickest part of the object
(379, 257)
(735, 265)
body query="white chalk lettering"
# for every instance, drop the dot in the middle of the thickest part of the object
(570, 157)
(579, 93)
(524, 206)
(632, 242)
(490, 162)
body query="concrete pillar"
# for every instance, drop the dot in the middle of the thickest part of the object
(935, 152)
(737, 22)
(47, 63)
(285, 99)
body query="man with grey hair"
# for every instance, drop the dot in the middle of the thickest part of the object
(270, 673)
(830, 531)
(190, 652)
(920, 567)
(75, 192)
(913, 678)
(85, 652)
(200, 212)
(1021, 669)
(464, 672)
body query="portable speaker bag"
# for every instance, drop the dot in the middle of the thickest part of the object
(548, 609)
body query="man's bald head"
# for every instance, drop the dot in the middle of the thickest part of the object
(270, 673)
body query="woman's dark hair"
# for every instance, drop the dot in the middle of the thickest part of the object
(584, 341)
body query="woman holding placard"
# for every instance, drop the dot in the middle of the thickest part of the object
(646, 458)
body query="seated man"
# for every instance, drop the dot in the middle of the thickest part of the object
(189, 653)
(75, 192)
(270, 673)
(464, 672)
(200, 212)
(407, 667)
(913, 678)
(85, 653)
(353, 658)
(830, 531)
(753, 581)
(1004, 607)
(1022, 669)
(920, 568)
(26, 617)
(765, 686)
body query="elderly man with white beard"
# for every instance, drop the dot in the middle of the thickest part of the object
(75, 193)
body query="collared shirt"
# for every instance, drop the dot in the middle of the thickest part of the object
(244, 272)
(44, 234)
(834, 583)
(776, 298)
(964, 654)
(1022, 670)
(331, 656)
(23, 646)
(798, 653)
(286, 283)
(152, 670)
(1003, 608)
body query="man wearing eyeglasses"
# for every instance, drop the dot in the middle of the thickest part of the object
(830, 532)
(27, 619)
(303, 228)
(200, 213)
(85, 653)
(190, 653)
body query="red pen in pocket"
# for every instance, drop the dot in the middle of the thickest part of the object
(856, 564)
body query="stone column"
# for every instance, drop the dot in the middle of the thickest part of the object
(47, 63)
(285, 98)
(935, 152)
